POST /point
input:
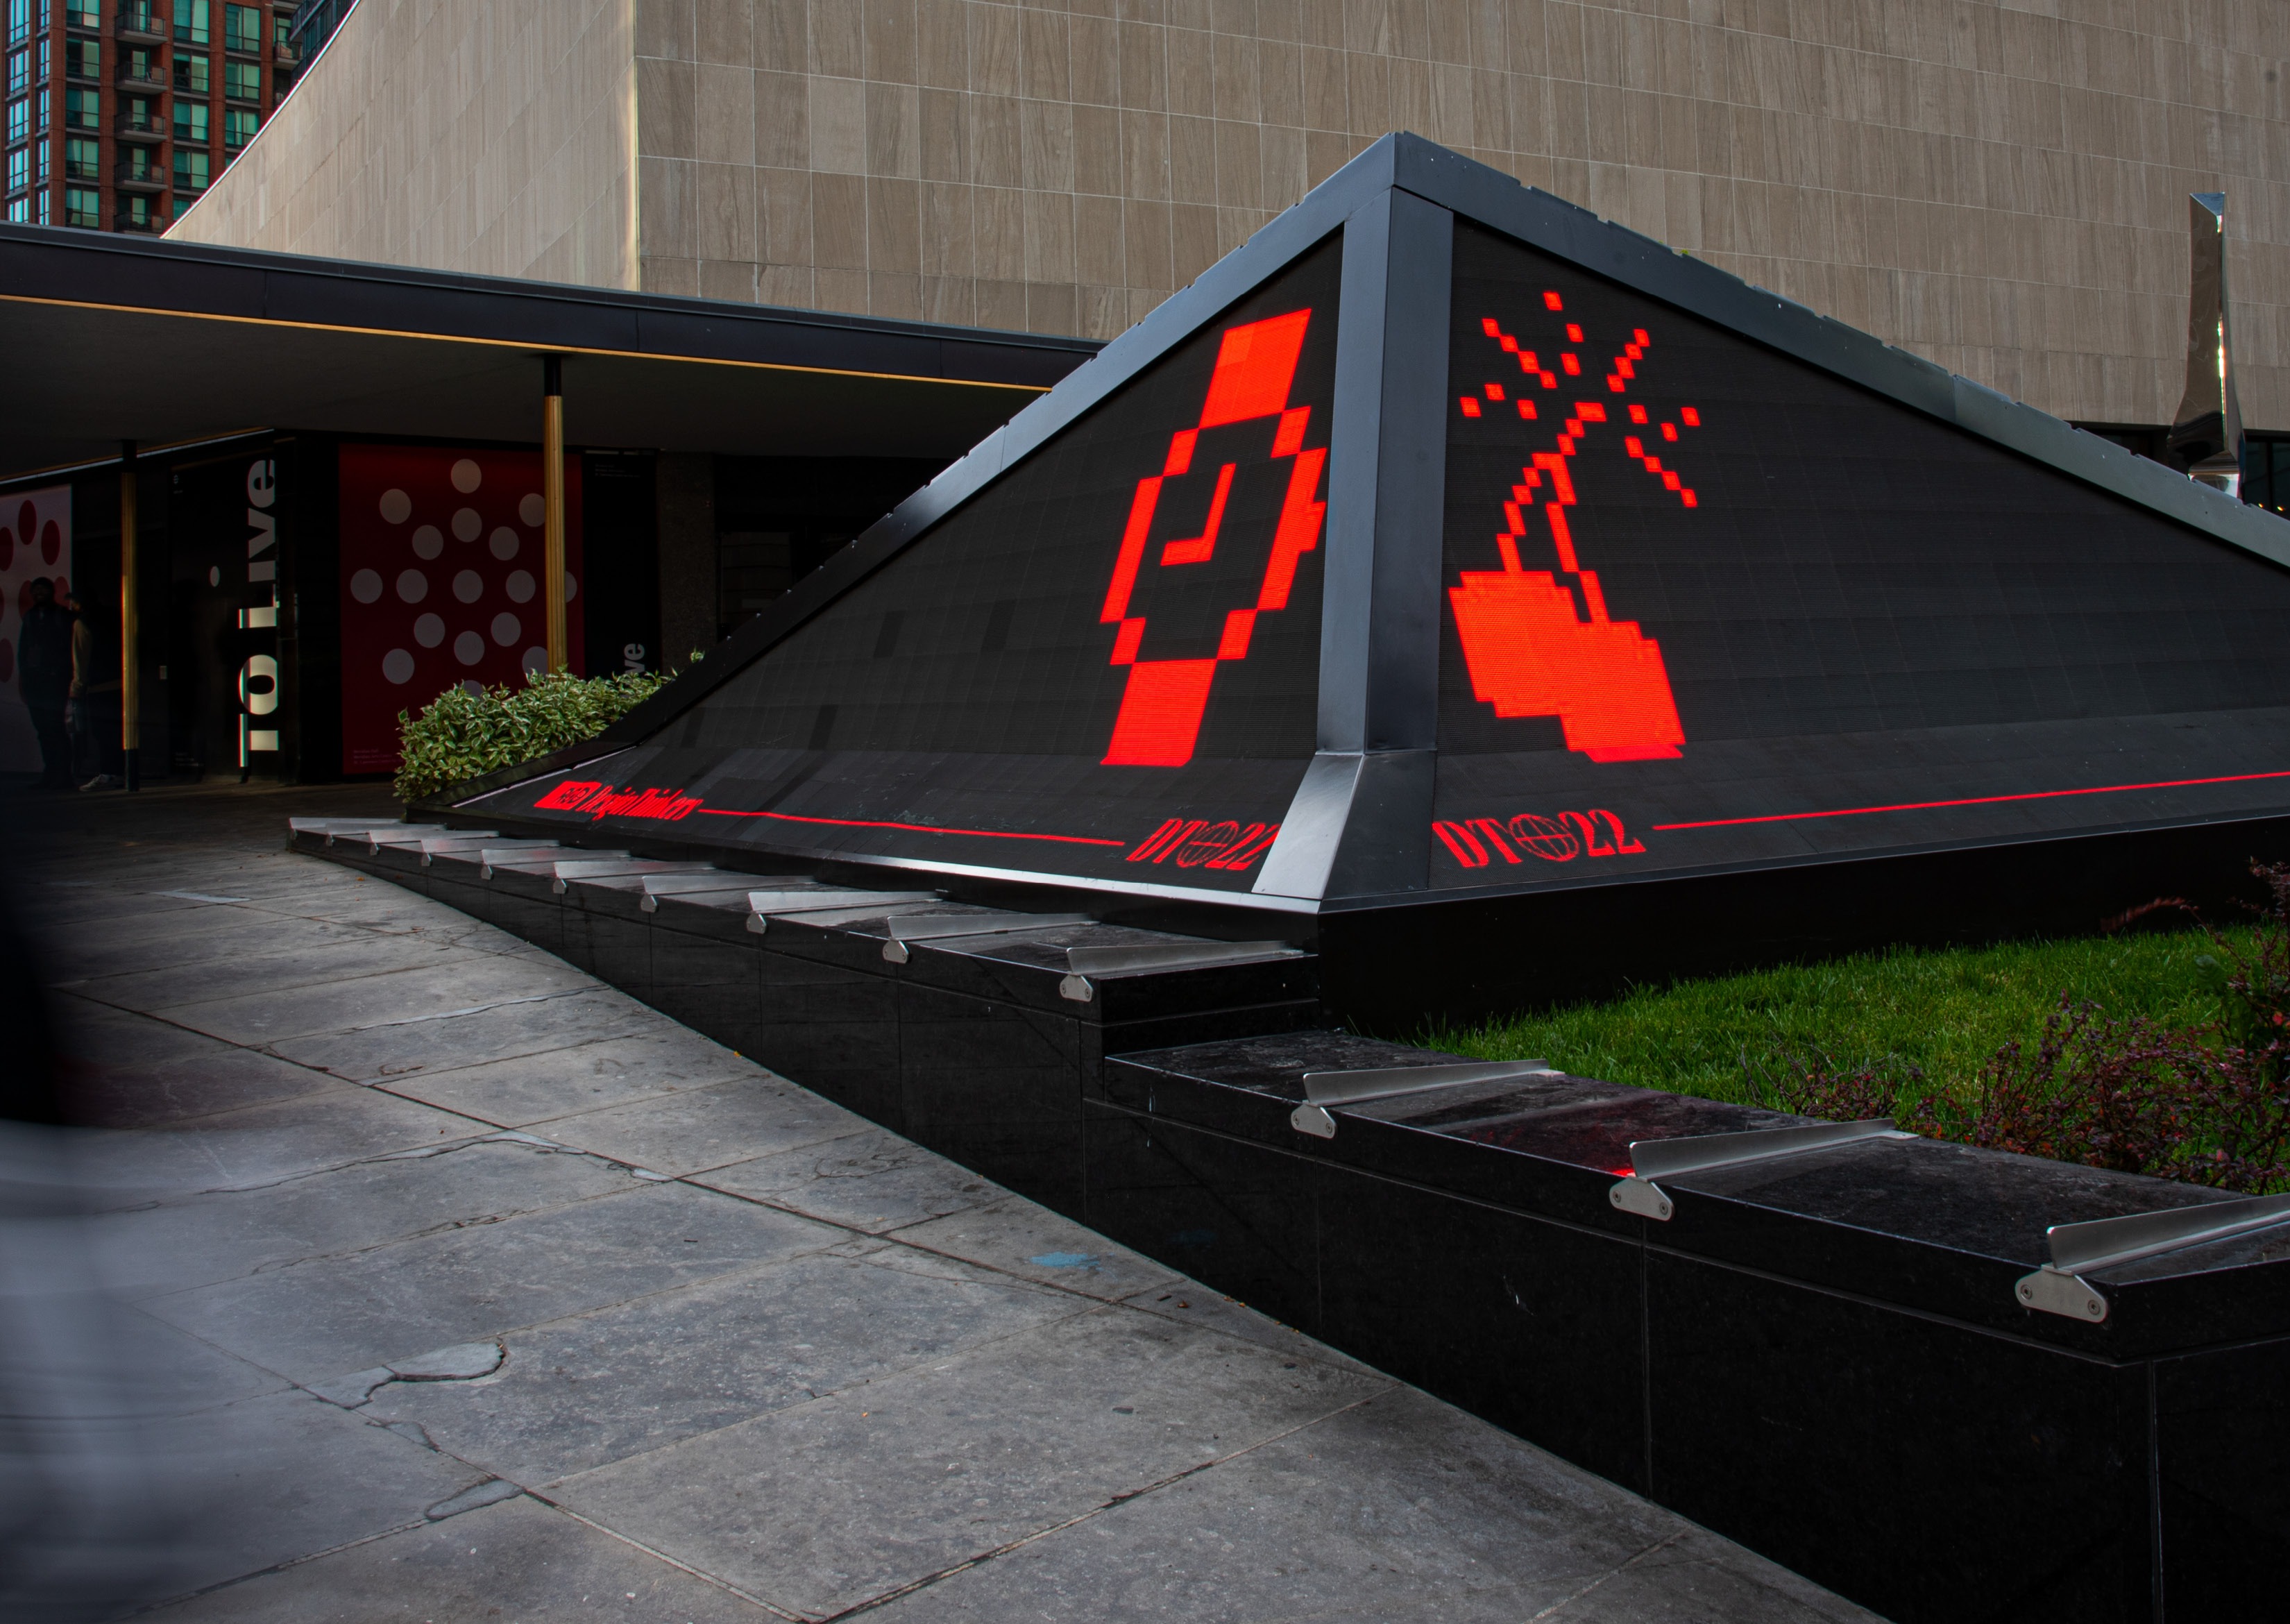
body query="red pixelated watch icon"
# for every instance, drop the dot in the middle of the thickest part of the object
(1161, 707)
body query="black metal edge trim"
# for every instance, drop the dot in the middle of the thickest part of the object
(1820, 860)
(1493, 199)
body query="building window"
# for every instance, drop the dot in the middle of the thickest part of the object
(83, 206)
(190, 170)
(139, 17)
(191, 22)
(193, 74)
(142, 64)
(242, 81)
(2266, 472)
(139, 162)
(83, 110)
(83, 14)
(242, 29)
(19, 119)
(191, 122)
(83, 159)
(238, 127)
(19, 169)
(40, 165)
(84, 58)
(20, 71)
(19, 211)
(143, 212)
(40, 208)
(135, 114)
(20, 21)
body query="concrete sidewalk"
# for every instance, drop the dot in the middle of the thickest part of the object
(481, 1291)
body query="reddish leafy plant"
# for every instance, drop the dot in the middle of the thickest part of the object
(2208, 1104)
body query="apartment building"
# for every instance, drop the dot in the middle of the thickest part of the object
(122, 113)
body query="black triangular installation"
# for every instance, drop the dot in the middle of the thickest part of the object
(1446, 543)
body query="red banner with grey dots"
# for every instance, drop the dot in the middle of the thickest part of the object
(441, 570)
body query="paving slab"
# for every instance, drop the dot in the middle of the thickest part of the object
(819, 1506)
(1397, 1509)
(325, 956)
(173, 1245)
(393, 997)
(130, 941)
(1028, 1240)
(872, 1180)
(581, 1392)
(264, 1144)
(519, 1562)
(128, 1071)
(529, 1088)
(322, 1318)
(285, 1477)
(539, 1022)
(695, 1130)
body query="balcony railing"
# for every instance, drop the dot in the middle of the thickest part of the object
(149, 128)
(151, 180)
(152, 222)
(148, 80)
(141, 23)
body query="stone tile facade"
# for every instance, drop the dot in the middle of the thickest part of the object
(1999, 186)
(493, 138)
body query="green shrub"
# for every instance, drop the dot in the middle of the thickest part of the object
(463, 733)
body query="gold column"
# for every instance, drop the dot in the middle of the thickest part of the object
(552, 497)
(130, 688)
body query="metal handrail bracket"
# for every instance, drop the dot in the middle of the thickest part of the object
(2059, 1288)
(950, 927)
(1323, 1089)
(762, 904)
(1082, 962)
(1670, 1158)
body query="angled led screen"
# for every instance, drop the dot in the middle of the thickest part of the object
(1707, 607)
(1105, 665)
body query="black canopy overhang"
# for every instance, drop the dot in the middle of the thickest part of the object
(112, 338)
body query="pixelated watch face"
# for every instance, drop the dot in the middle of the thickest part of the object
(1106, 663)
(1708, 607)
(1247, 416)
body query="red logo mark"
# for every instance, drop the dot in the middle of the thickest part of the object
(606, 801)
(1161, 707)
(1197, 844)
(1531, 648)
(1477, 842)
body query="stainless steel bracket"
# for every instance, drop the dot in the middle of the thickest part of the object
(1086, 962)
(948, 927)
(2102, 1243)
(1670, 1158)
(762, 904)
(1323, 1089)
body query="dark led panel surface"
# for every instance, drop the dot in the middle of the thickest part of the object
(1104, 666)
(1706, 607)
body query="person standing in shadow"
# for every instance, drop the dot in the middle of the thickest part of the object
(44, 670)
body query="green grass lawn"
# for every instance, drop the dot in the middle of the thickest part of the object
(1944, 1011)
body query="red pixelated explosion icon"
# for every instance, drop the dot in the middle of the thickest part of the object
(1161, 707)
(1532, 650)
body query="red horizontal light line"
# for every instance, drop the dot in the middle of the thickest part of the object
(1984, 800)
(922, 829)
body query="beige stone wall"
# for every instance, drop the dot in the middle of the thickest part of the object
(494, 136)
(1999, 186)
